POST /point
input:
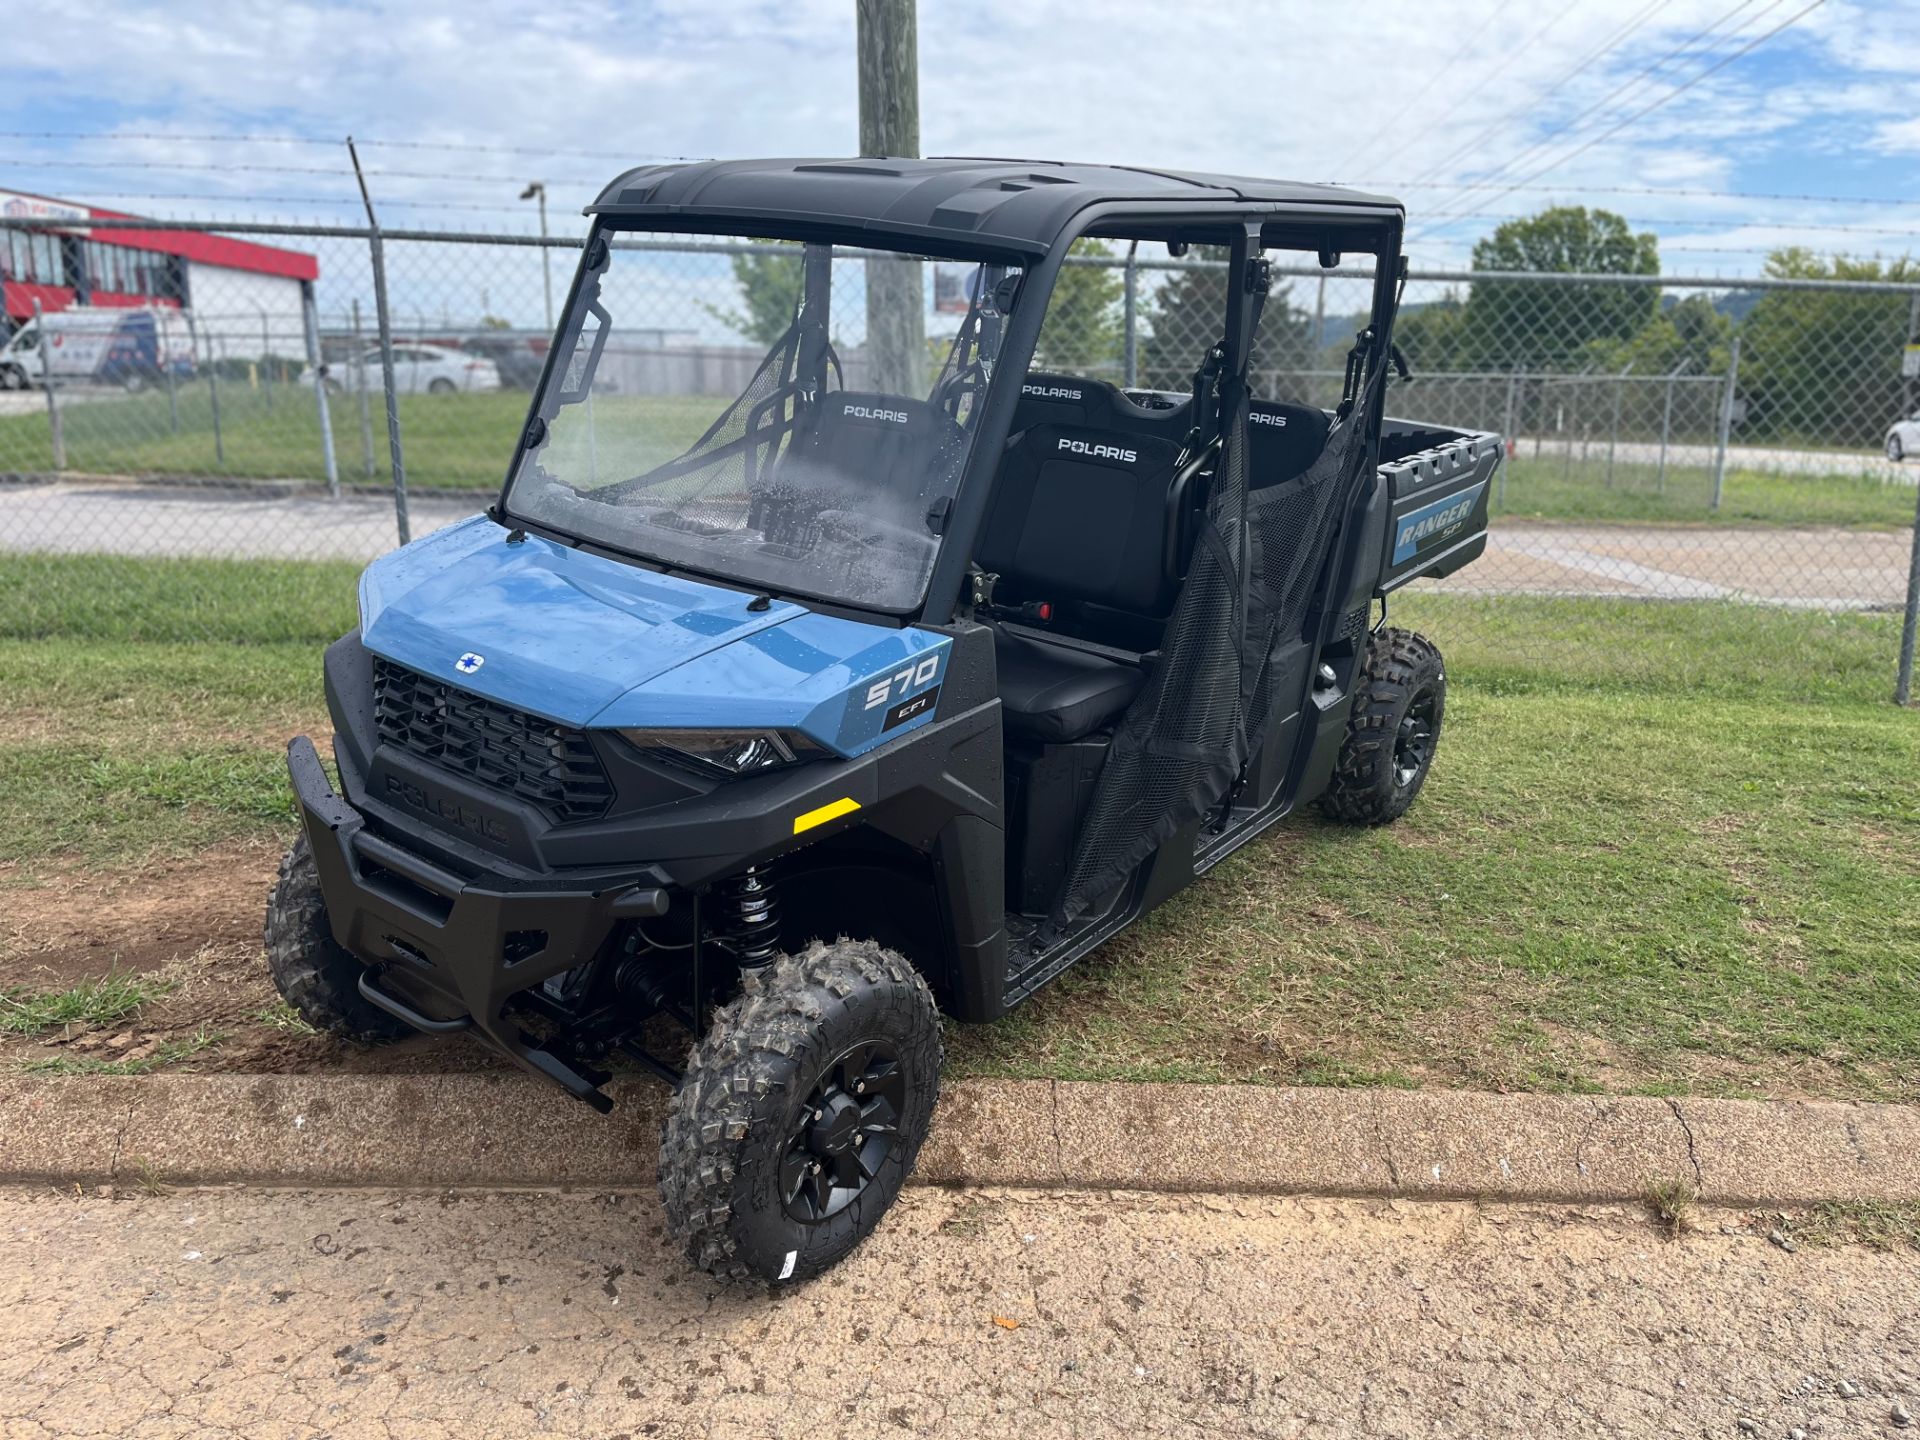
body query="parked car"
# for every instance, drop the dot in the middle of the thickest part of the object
(1904, 438)
(133, 348)
(520, 358)
(417, 369)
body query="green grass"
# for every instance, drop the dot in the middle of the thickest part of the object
(1550, 489)
(273, 433)
(1878, 1224)
(91, 1002)
(1667, 847)
(225, 602)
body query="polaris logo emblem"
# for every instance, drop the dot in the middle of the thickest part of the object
(1051, 392)
(1278, 421)
(1418, 529)
(469, 662)
(1099, 452)
(867, 412)
(448, 811)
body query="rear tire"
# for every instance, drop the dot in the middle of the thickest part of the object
(801, 1113)
(1392, 732)
(1896, 452)
(440, 387)
(313, 974)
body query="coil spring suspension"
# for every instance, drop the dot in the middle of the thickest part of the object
(748, 918)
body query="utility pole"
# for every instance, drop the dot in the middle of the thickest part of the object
(537, 189)
(888, 44)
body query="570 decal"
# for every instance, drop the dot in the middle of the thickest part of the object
(902, 682)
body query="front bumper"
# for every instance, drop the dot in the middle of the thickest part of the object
(445, 952)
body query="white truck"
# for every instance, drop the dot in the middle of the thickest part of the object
(132, 348)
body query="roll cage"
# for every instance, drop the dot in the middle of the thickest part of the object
(853, 204)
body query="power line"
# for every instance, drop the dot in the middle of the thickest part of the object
(1633, 83)
(1552, 85)
(1669, 97)
(1434, 76)
(1446, 110)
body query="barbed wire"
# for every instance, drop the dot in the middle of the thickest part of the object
(253, 139)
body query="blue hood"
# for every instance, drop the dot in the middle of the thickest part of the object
(584, 641)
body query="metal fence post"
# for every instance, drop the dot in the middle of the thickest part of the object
(213, 399)
(311, 317)
(173, 396)
(1903, 686)
(56, 425)
(359, 372)
(1510, 422)
(266, 349)
(1132, 309)
(1726, 424)
(1666, 427)
(1613, 432)
(383, 318)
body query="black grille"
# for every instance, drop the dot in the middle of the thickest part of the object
(504, 749)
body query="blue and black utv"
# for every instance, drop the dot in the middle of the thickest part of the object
(790, 699)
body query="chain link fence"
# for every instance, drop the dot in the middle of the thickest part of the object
(226, 391)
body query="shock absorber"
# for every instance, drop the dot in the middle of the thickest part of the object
(747, 917)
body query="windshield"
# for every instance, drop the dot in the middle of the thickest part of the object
(799, 429)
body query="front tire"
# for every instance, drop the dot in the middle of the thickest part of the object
(801, 1112)
(1896, 452)
(313, 974)
(1392, 732)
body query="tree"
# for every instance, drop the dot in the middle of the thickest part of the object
(770, 287)
(1432, 337)
(1081, 332)
(1689, 333)
(1188, 313)
(1537, 325)
(1823, 366)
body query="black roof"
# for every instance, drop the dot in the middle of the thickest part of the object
(1025, 204)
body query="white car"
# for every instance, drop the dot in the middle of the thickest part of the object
(417, 369)
(1904, 438)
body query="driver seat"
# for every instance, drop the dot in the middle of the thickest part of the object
(1054, 694)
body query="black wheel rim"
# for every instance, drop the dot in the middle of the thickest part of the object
(1413, 745)
(844, 1133)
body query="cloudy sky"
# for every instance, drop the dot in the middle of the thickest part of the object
(229, 109)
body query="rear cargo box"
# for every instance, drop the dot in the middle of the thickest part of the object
(1439, 482)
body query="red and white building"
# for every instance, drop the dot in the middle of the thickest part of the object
(252, 296)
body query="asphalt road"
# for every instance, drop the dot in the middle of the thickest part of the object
(347, 1314)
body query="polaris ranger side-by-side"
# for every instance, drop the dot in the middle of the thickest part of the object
(891, 680)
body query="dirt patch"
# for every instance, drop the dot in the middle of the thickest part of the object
(192, 927)
(78, 924)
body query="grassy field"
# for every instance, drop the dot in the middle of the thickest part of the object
(464, 441)
(1549, 489)
(1666, 848)
(273, 433)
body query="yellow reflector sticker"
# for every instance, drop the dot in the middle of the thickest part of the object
(833, 811)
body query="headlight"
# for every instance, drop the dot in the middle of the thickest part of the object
(734, 752)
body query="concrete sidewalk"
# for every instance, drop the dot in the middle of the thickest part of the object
(509, 1130)
(368, 1315)
(1822, 568)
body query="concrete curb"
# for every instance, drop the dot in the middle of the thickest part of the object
(506, 1130)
